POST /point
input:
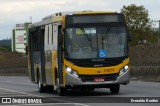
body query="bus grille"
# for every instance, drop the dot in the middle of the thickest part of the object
(90, 78)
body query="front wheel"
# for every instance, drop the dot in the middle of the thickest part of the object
(115, 89)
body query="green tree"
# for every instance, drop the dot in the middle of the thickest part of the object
(5, 48)
(139, 23)
(137, 17)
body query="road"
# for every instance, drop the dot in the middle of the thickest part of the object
(13, 86)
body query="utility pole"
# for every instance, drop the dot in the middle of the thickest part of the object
(30, 19)
(158, 31)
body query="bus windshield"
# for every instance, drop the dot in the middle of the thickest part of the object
(95, 42)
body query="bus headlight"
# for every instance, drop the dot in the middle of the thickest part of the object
(68, 69)
(72, 72)
(123, 70)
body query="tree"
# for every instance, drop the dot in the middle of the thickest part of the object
(139, 23)
(5, 48)
(137, 18)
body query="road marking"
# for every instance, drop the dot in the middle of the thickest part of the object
(146, 82)
(28, 94)
(20, 92)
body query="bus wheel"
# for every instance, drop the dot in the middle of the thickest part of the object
(60, 90)
(115, 89)
(49, 88)
(40, 85)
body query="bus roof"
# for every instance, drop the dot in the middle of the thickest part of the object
(58, 16)
(76, 12)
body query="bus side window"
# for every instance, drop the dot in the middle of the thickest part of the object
(50, 36)
(55, 34)
(35, 41)
(46, 37)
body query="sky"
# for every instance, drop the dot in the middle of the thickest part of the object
(13, 12)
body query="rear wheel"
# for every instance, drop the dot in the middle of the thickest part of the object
(40, 85)
(115, 89)
(49, 88)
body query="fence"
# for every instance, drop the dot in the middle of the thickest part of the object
(145, 62)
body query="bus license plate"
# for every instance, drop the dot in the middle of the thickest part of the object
(99, 80)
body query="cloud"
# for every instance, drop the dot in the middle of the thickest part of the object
(19, 11)
(2, 22)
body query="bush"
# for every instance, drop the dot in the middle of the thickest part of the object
(5, 48)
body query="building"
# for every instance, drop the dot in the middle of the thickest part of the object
(20, 37)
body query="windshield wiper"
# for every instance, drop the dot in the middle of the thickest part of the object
(106, 33)
(86, 35)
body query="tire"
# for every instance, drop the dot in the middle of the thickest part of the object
(40, 85)
(49, 88)
(115, 89)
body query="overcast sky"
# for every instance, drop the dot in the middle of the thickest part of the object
(19, 11)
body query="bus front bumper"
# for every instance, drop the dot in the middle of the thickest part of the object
(75, 81)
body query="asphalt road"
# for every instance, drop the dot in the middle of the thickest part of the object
(21, 87)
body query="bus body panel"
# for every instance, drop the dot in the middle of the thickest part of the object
(50, 68)
(98, 73)
(123, 79)
(93, 70)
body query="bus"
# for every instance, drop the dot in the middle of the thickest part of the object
(79, 50)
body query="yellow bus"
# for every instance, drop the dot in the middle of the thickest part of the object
(79, 50)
